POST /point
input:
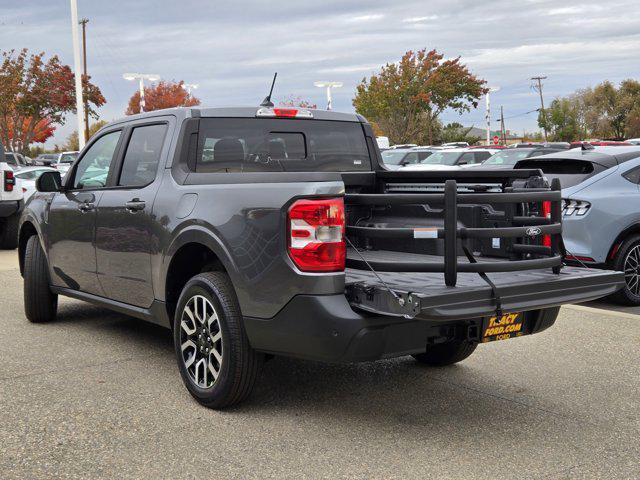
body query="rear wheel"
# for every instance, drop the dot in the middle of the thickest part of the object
(216, 362)
(9, 232)
(40, 304)
(627, 260)
(448, 353)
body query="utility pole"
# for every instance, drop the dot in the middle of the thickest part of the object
(502, 128)
(77, 72)
(84, 22)
(539, 88)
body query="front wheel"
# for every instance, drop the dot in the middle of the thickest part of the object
(448, 353)
(40, 303)
(216, 362)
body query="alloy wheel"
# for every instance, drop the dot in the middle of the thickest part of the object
(201, 341)
(632, 270)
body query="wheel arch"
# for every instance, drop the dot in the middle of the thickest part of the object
(633, 229)
(27, 230)
(195, 250)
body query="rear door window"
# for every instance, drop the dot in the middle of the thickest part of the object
(143, 155)
(285, 145)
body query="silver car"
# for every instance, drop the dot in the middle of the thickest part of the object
(601, 209)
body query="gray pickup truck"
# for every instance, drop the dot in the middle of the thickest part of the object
(253, 232)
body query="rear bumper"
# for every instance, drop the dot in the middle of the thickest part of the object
(329, 328)
(9, 207)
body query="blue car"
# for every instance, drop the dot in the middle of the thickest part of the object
(601, 209)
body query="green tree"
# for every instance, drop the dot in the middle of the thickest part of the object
(455, 132)
(604, 111)
(72, 143)
(562, 119)
(406, 98)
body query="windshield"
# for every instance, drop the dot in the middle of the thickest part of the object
(393, 157)
(68, 158)
(10, 159)
(442, 158)
(507, 157)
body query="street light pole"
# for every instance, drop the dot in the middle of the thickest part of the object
(189, 86)
(84, 22)
(488, 114)
(141, 77)
(328, 86)
(78, 73)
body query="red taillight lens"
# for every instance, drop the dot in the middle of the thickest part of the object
(285, 112)
(316, 235)
(546, 212)
(9, 181)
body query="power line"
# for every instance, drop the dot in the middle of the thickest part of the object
(520, 114)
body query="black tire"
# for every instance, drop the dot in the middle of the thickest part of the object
(40, 303)
(628, 295)
(240, 364)
(9, 232)
(443, 354)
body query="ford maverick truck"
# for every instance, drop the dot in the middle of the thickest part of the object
(252, 232)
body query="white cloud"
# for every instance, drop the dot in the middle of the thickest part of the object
(367, 18)
(427, 18)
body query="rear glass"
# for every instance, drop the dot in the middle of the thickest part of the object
(570, 172)
(280, 145)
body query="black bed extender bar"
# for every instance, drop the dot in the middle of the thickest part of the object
(526, 227)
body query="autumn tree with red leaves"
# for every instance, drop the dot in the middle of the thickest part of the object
(162, 95)
(295, 101)
(35, 96)
(405, 99)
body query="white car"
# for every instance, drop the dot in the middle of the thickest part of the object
(635, 141)
(452, 159)
(64, 162)
(28, 177)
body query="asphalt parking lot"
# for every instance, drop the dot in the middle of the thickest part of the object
(98, 395)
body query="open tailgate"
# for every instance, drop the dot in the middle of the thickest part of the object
(440, 268)
(425, 296)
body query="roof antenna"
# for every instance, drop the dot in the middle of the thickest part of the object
(267, 100)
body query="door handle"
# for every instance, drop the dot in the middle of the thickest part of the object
(86, 207)
(135, 205)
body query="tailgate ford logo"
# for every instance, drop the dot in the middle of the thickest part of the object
(533, 231)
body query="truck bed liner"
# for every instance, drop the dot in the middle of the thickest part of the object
(425, 295)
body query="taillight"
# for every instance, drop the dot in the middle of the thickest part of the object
(546, 212)
(316, 235)
(9, 181)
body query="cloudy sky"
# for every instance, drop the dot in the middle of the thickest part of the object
(232, 48)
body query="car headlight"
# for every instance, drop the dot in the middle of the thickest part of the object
(575, 207)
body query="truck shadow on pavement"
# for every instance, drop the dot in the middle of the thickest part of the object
(397, 391)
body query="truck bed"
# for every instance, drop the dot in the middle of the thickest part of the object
(425, 295)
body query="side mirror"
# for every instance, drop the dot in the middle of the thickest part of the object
(404, 163)
(463, 162)
(49, 182)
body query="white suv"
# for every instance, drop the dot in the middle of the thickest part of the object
(11, 203)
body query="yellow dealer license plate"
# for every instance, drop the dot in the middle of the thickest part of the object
(509, 325)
